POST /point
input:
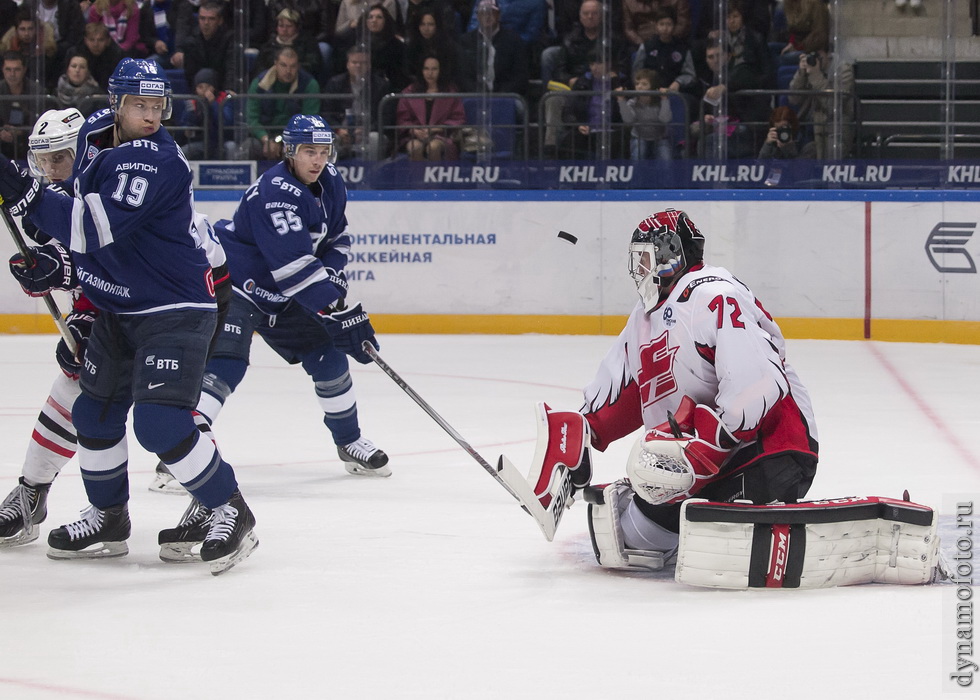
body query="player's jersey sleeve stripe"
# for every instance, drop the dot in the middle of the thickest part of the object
(99, 217)
(317, 276)
(77, 227)
(292, 271)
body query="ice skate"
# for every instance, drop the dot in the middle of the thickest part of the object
(182, 543)
(21, 512)
(164, 482)
(97, 534)
(361, 457)
(230, 538)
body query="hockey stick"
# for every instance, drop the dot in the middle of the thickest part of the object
(546, 511)
(29, 260)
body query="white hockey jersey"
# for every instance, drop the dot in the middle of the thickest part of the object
(712, 340)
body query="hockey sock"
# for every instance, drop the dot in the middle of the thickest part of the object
(196, 463)
(54, 440)
(103, 455)
(104, 464)
(339, 406)
(221, 377)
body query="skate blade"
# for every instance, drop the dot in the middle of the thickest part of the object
(248, 544)
(358, 470)
(25, 536)
(181, 552)
(166, 485)
(99, 550)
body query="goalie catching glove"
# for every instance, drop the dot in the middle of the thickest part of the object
(349, 327)
(675, 459)
(48, 267)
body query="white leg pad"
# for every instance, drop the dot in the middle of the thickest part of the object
(818, 544)
(606, 529)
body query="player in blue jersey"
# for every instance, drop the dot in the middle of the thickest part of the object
(287, 249)
(130, 232)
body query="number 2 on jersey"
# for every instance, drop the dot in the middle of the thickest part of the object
(718, 306)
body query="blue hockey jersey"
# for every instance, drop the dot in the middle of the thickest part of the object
(284, 236)
(129, 224)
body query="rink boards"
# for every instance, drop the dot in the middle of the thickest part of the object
(841, 264)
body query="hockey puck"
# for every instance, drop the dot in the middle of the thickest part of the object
(565, 235)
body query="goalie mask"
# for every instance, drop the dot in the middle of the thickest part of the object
(52, 143)
(664, 246)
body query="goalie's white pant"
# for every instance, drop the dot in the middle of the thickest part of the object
(622, 537)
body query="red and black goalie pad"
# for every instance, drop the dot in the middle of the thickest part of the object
(779, 532)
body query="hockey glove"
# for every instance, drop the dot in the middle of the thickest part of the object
(79, 324)
(349, 328)
(18, 191)
(48, 267)
(338, 280)
(667, 468)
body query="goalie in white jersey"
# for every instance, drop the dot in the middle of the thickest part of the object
(701, 367)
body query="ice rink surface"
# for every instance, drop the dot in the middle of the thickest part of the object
(434, 584)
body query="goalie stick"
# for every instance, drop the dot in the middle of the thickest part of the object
(52, 305)
(546, 510)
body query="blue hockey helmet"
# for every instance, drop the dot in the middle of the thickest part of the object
(308, 129)
(140, 77)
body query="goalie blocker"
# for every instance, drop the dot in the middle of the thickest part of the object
(815, 544)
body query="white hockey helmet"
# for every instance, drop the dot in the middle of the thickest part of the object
(55, 130)
(663, 247)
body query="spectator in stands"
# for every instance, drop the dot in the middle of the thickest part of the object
(566, 63)
(815, 72)
(429, 134)
(649, 116)
(76, 85)
(508, 72)
(196, 114)
(640, 19)
(736, 118)
(746, 50)
(16, 116)
(428, 36)
(669, 56)
(349, 16)
(101, 52)
(317, 19)
(757, 15)
(782, 141)
(356, 119)
(388, 55)
(122, 19)
(211, 45)
(65, 17)
(446, 19)
(288, 34)
(590, 115)
(158, 30)
(266, 118)
(808, 24)
(32, 39)
(525, 17)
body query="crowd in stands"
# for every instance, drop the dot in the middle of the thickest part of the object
(250, 64)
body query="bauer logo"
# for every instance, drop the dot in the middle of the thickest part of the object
(946, 247)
